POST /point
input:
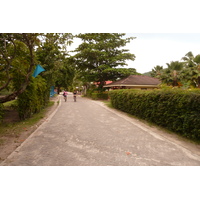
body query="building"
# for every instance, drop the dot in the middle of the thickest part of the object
(135, 82)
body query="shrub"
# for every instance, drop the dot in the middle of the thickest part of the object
(97, 96)
(89, 93)
(33, 99)
(176, 110)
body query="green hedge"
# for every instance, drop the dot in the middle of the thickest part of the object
(97, 96)
(176, 110)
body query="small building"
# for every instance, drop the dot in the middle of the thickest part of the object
(135, 82)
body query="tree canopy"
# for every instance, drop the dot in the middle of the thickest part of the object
(17, 62)
(100, 54)
(21, 52)
(184, 73)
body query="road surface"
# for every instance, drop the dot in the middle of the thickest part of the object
(88, 133)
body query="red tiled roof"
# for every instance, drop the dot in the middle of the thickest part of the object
(106, 82)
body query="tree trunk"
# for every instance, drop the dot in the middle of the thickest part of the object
(12, 96)
(198, 82)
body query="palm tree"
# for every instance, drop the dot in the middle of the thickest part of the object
(171, 75)
(157, 71)
(191, 70)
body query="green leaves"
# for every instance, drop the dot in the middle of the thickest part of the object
(185, 74)
(176, 110)
(100, 52)
(33, 99)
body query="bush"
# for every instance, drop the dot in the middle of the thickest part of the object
(33, 99)
(102, 96)
(176, 110)
(89, 93)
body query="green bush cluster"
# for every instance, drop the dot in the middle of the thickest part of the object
(33, 99)
(176, 110)
(89, 93)
(96, 96)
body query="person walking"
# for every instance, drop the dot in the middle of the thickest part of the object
(65, 95)
(74, 95)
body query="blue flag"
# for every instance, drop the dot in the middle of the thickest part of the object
(38, 70)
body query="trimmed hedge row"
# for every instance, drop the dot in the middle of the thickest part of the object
(176, 110)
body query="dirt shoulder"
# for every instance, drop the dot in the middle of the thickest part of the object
(12, 141)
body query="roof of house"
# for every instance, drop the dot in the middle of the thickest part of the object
(106, 82)
(136, 80)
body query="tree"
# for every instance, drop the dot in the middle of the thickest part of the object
(100, 53)
(114, 74)
(171, 75)
(191, 70)
(157, 71)
(17, 62)
(52, 55)
(19, 54)
(65, 76)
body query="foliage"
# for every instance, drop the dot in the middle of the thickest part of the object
(99, 54)
(156, 71)
(171, 75)
(102, 96)
(32, 100)
(66, 76)
(19, 54)
(52, 55)
(114, 74)
(191, 71)
(185, 74)
(16, 55)
(177, 110)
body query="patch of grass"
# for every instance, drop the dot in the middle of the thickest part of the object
(36, 117)
(12, 103)
(108, 103)
(14, 129)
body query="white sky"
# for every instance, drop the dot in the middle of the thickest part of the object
(153, 49)
(142, 18)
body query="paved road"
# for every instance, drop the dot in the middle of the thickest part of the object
(87, 133)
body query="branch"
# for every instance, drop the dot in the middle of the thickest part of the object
(13, 95)
(30, 43)
(6, 84)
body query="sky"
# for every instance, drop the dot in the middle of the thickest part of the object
(153, 49)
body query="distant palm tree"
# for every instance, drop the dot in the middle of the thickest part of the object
(171, 75)
(157, 71)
